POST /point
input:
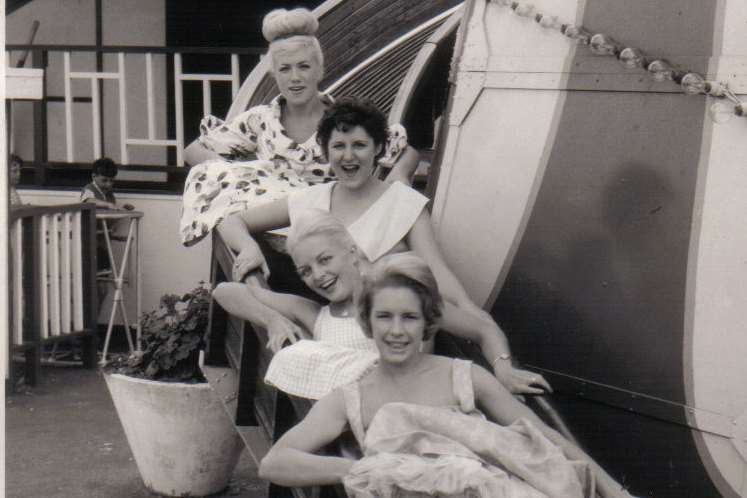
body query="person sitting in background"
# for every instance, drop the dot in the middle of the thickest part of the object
(101, 193)
(101, 189)
(416, 420)
(14, 177)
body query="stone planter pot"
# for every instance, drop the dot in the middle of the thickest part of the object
(182, 439)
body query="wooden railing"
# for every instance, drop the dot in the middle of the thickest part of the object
(76, 67)
(52, 281)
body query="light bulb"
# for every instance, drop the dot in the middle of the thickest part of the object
(576, 32)
(631, 57)
(601, 44)
(741, 109)
(660, 70)
(523, 9)
(715, 89)
(720, 112)
(693, 84)
(548, 21)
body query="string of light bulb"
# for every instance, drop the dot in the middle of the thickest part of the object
(691, 83)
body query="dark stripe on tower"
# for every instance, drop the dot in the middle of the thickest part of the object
(597, 286)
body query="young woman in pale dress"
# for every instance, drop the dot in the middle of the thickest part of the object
(415, 416)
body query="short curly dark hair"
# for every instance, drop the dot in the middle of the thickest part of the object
(347, 113)
(406, 270)
(105, 167)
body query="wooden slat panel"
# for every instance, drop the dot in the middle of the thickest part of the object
(123, 108)
(233, 344)
(418, 67)
(53, 247)
(17, 269)
(65, 277)
(77, 269)
(41, 244)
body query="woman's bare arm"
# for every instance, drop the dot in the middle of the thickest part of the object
(292, 462)
(236, 229)
(503, 408)
(196, 153)
(494, 347)
(465, 319)
(279, 314)
(404, 168)
(297, 308)
(422, 240)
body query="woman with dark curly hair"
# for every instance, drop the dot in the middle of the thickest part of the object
(381, 218)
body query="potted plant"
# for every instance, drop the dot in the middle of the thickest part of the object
(183, 441)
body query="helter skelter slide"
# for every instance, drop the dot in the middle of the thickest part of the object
(588, 169)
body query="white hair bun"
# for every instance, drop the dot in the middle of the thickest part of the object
(283, 23)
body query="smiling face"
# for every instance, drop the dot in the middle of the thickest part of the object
(352, 155)
(327, 266)
(297, 72)
(397, 323)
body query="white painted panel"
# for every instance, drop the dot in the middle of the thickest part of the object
(493, 146)
(167, 266)
(41, 246)
(53, 248)
(65, 273)
(718, 287)
(17, 269)
(77, 259)
(24, 83)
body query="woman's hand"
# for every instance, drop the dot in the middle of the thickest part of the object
(519, 381)
(281, 329)
(250, 258)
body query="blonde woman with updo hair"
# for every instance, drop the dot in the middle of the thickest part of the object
(270, 150)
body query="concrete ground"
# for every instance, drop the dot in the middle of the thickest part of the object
(64, 440)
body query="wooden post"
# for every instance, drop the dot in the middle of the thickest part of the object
(33, 272)
(215, 336)
(39, 59)
(90, 294)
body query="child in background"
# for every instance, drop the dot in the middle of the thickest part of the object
(14, 169)
(101, 189)
(101, 193)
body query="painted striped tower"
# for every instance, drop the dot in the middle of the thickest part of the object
(600, 216)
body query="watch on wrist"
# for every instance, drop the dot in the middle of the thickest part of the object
(501, 357)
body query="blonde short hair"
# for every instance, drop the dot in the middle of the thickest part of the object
(283, 28)
(407, 270)
(312, 222)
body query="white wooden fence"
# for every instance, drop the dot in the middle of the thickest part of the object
(52, 277)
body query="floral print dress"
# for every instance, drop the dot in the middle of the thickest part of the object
(217, 188)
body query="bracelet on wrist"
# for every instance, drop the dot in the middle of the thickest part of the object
(501, 357)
